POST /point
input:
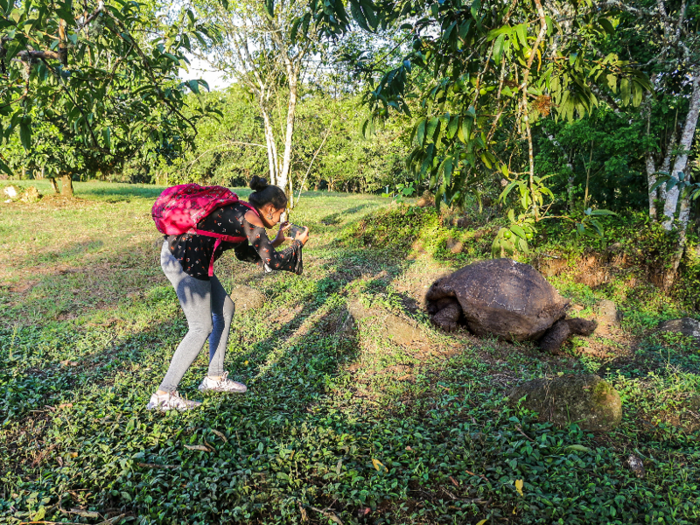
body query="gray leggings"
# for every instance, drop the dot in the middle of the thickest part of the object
(208, 310)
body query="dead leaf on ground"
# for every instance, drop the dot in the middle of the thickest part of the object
(201, 448)
(519, 486)
(220, 434)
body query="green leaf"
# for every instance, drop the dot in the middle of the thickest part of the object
(607, 26)
(25, 132)
(4, 167)
(504, 30)
(465, 130)
(612, 82)
(431, 127)
(498, 49)
(522, 245)
(521, 32)
(625, 91)
(39, 515)
(507, 190)
(358, 15)
(517, 230)
(476, 5)
(420, 133)
(107, 136)
(578, 448)
(368, 9)
(448, 170)
(452, 126)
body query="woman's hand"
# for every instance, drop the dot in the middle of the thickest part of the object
(303, 237)
(281, 235)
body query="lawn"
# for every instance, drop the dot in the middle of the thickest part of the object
(343, 422)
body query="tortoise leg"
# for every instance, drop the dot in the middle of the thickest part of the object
(582, 326)
(447, 317)
(554, 337)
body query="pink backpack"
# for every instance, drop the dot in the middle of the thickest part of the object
(180, 208)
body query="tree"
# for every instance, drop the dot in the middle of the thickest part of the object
(262, 48)
(484, 73)
(662, 37)
(230, 143)
(100, 76)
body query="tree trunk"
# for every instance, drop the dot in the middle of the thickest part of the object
(271, 145)
(651, 180)
(681, 162)
(67, 186)
(672, 196)
(54, 185)
(289, 134)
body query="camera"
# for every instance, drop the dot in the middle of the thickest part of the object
(295, 230)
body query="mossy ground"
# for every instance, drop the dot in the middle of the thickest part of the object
(337, 426)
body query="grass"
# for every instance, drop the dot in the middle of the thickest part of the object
(338, 426)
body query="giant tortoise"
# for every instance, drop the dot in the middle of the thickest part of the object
(507, 299)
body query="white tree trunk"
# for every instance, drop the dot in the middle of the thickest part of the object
(651, 180)
(283, 177)
(681, 161)
(271, 146)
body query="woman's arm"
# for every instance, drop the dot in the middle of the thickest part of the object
(281, 236)
(288, 259)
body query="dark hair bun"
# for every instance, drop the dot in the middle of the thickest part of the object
(258, 183)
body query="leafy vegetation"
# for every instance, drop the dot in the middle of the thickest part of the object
(90, 86)
(337, 426)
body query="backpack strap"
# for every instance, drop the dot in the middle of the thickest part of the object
(252, 208)
(226, 238)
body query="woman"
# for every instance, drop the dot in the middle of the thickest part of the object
(208, 308)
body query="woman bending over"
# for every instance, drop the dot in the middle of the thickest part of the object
(208, 308)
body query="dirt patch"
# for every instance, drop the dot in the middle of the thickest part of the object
(401, 331)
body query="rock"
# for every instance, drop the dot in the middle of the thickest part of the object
(454, 246)
(463, 222)
(500, 297)
(686, 326)
(31, 195)
(694, 402)
(607, 314)
(11, 192)
(636, 465)
(587, 400)
(247, 298)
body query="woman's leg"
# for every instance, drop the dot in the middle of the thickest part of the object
(195, 298)
(222, 309)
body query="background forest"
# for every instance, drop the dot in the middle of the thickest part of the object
(383, 100)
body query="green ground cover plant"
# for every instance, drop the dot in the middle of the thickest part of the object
(339, 425)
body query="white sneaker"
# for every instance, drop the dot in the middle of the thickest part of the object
(222, 385)
(165, 402)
